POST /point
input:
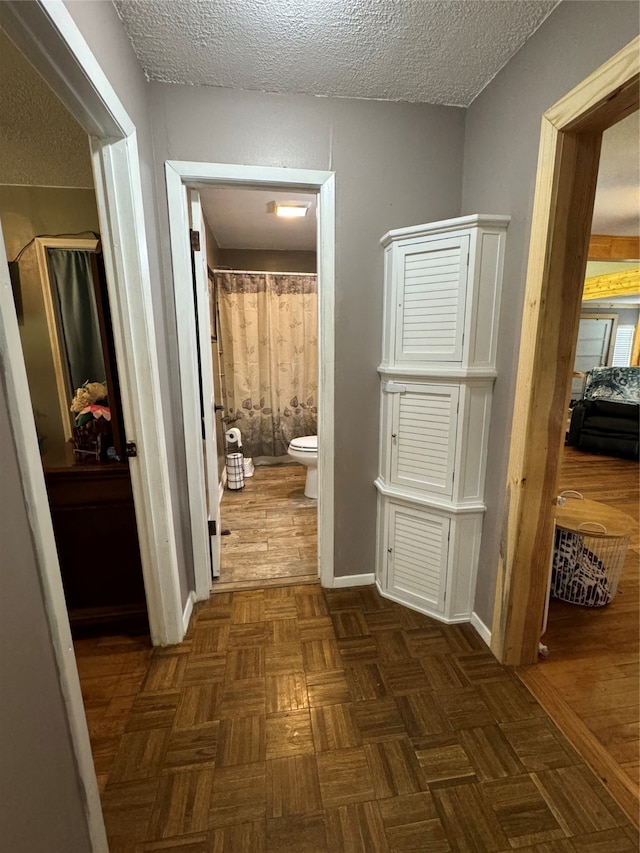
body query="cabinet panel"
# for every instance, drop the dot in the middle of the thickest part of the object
(417, 554)
(430, 286)
(423, 437)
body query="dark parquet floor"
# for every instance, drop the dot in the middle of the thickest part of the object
(297, 720)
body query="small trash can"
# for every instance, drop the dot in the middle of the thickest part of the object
(235, 471)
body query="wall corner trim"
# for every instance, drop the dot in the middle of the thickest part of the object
(481, 628)
(188, 610)
(367, 579)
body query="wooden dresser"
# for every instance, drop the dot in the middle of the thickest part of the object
(96, 535)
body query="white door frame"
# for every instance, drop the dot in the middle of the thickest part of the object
(49, 38)
(178, 174)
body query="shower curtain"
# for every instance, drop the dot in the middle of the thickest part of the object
(269, 337)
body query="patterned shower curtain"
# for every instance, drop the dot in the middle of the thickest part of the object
(269, 337)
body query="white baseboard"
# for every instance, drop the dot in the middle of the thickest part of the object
(354, 580)
(481, 628)
(188, 610)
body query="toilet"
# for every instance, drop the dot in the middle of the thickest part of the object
(305, 451)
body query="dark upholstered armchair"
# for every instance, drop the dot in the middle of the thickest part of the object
(606, 420)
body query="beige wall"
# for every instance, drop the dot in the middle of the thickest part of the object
(24, 213)
(501, 153)
(395, 165)
(40, 144)
(263, 260)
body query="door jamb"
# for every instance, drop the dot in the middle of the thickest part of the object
(49, 38)
(178, 175)
(565, 189)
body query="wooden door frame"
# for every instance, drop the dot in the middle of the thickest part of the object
(568, 161)
(180, 174)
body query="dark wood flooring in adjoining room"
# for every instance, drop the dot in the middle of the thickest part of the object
(590, 680)
(273, 529)
(297, 719)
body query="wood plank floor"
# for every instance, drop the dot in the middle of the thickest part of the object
(297, 719)
(273, 529)
(590, 681)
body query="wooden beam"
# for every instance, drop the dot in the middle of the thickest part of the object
(565, 189)
(612, 284)
(568, 168)
(604, 247)
(606, 97)
(635, 351)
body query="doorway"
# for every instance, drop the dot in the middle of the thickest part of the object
(563, 207)
(66, 334)
(179, 176)
(49, 39)
(262, 269)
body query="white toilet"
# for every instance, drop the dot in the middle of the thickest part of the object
(305, 451)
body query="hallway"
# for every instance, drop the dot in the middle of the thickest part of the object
(297, 719)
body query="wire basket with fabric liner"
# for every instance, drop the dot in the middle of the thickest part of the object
(588, 555)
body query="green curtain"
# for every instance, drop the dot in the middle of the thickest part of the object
(72, 286)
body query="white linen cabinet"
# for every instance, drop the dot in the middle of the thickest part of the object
(442, 284)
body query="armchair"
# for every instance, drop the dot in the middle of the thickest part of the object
(606, 419)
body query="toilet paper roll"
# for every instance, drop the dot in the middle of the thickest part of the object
(233, 435)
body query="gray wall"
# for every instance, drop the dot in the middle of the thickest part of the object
(501, 150)
(395, 165)
(41, 806)
(627, 316)
(265, 260)
(103, 32)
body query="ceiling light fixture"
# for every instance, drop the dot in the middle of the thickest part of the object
(291, 210)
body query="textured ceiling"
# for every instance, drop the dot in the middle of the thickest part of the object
(41, 144)
(242, 219)
(430, 51)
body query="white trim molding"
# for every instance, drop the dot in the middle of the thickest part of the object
(481, 628)
(188, 610)
(367, 579)
(180, 174)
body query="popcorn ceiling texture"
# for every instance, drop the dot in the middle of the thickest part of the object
(41, 144)
(430, 51)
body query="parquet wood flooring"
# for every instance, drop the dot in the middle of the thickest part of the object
(273, 530)
(323, 721)
(590, 681)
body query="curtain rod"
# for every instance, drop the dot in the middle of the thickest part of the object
(262, 272)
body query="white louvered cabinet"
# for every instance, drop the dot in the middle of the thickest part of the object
(442, 299)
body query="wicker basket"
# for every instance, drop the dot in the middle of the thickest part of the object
(587, 564)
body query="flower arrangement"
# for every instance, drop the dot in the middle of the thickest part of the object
(91, 401)
(92, 431)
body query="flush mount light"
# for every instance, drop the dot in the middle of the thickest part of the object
(290, 209)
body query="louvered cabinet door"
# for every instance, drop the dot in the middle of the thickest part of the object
(423, 437)
(430, 286)
(417, 554)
